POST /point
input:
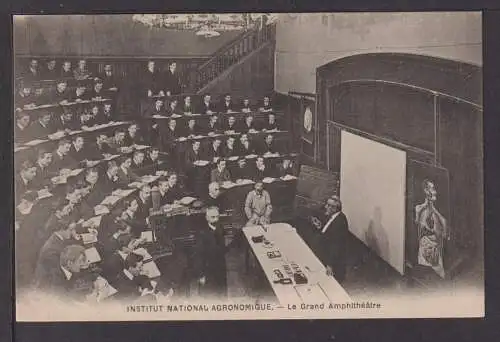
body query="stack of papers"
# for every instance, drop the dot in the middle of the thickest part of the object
(135, 185)
(244, 181)
(93, 222)
(175, 116)
(44, 193)
(160, 117)
(150, 270)
(75, 172)
(187, 200)
(58, 180)
(141, 147)
(92, 255)
(233, 158)
(110, 200)
(88, 238)
(228, 185)
(101, 210)
(268, 180)
(147, 235)
(35, 142)
(75, 132)
(288, 177)
(201, 162)
(250, 156)
(182, 139)
(113, 156)
(56, 135)
(149, 178)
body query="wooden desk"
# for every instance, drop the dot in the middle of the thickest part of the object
(319, 289)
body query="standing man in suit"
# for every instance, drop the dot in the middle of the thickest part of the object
(172, 80)
(331, 240)
(211, 250)
(152, 81)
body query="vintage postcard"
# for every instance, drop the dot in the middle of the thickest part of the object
(248, 166)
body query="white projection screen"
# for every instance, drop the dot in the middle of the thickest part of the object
(372, 190)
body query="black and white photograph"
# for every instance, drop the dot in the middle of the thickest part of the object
(233, 166)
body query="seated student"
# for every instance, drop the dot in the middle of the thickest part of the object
(227, 105)
(133, 137)
(246, 147)
(286, 167)
(213, 126)
(230, 149)
(170, 133)
(96, 194)
(206, 106)
(258, 207)
(32, 73)
(97, 92)
(187, 107)
(220, 173)
(214, 198)
(109, 182)
(21, 130)
(156, 108)
(269, 146)
(43, 169)
(193, 154)
(153, 163)
(213, 150)
(101, 148)
(129, 217)
(42, 126)
(86, 119)
(138, 160)
(242, 171)
(125, 174)
(245, 108)
(126, 282)
(261, 171)
(60, 277)
(78, 151)
(169, 191)
(61, 157)
(65, 121)
(79, 94)
(231, 126)
(266, 105)
(50, 72)
(192, 129)
(144, 204)
(117, 248)
(248, 126)
(60, 94)
(117, 142)
(25, 97)
(271, 124)
(172, 108)
(109, 81)
(81, 72)
(107, 114)
(24, 180)
(66, 72)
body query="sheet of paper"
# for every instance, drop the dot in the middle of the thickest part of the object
(147, 235)
(101, 210)
(151, 270)
(88, 238)
(92, 255)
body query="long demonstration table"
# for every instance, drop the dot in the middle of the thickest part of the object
(284, 238)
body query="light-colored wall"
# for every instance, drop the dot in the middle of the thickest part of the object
(307, 41)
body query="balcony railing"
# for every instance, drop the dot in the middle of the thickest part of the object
(234, 52)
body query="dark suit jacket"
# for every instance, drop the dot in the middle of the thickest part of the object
(269, 126)
(190, 157)
(188, 109)
(243, 151)
(95, 196)
(204, 107)
(195, 131)
(109, 81)
(58, 125)
(38, 131)
(125, 179)
(209, 153)
(223, 107)
(217, 176)
(95, 152)
(265, 148)
(143, 210)
(137, 139)
(22, 135)
(258, 175)
(78, 156)
(242, 173)
(211, 250)
(215, 128)
(330, 247)
(107, 185)
(173, 83)
(59, 162)
(127, 289)
(230, 152)
(173, 194)
(151, 81)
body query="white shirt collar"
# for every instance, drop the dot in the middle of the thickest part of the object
(334, 216)
(212, 226)
(67, 273)
(128, 274)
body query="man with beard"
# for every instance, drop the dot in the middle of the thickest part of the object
(211, 255)
(331, 238)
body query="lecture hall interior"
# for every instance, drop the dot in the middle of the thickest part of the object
(241, 155)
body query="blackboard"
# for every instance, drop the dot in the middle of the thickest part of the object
(314, 186)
